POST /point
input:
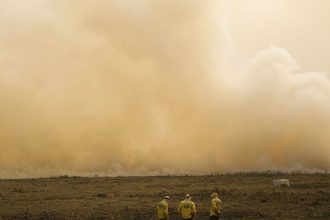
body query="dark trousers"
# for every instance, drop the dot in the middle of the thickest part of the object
(213, 217)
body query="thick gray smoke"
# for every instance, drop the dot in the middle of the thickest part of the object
(149, 87)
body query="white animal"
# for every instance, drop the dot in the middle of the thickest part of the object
(279, 182)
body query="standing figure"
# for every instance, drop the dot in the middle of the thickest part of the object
(162, 209)
(215, 207)
(187, 208)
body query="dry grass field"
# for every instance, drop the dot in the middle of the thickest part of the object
(244, 196)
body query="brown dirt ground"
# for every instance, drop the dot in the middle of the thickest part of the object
(244, 196)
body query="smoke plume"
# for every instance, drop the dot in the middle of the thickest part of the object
(151, 87)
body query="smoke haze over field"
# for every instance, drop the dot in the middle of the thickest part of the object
(163, 87)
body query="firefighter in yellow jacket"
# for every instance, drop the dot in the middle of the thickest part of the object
(215, 206)
(187, 208)
(162, 209)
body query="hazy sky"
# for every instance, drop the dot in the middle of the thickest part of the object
(127, 87)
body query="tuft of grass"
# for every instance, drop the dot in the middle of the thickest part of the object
(18, 190)
(102, 195)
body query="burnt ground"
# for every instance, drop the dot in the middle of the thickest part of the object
(244, 196)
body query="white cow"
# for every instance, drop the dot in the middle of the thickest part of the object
(279, 182)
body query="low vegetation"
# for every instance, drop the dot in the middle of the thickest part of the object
(244, 196)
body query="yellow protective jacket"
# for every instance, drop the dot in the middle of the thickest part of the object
(162, 209)
(215, 206)
(187, 209)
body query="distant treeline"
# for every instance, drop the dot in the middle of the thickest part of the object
(236, 173)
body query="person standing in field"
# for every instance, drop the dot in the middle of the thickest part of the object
(215, 207)
(187, 208)
(162, 209)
